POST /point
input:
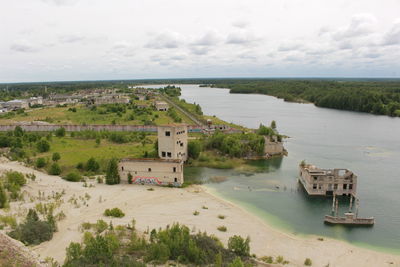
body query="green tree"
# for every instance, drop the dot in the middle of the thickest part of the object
(3, 197)
(43, 146)
(18, 131)
(130, 178)
(273, 125)
(40, 162)
(92, 165)
(56, 156)
(55, 169)
(60, 132)
(112, 176)
(239, 246)
(194, 149)
(73, 177)
(98, 141)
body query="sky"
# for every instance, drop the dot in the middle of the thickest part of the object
(60, 40)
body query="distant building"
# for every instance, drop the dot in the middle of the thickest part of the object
(172, 142)
(324, 182)
(141, 97)
(161, 105)
(166, 170)
(273, 147)
(152, 171)
(35, 101)
(15, 104)
(111, 100)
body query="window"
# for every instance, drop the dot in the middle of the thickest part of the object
(122, 168)
(344, 186)
(350, 186)
(149, 169)
(314, 186)
(174, 169)
(163, 154)
(169, 154)
(315, 178)
(167, 133)
(319, 186)
(335, 186)
(175, 180)
(181, 144)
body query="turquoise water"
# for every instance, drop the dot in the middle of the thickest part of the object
(367, 144)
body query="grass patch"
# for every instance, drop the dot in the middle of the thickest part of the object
(204, 208)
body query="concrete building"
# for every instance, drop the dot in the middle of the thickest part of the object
(273, 146)
(15, 104)
(327, 182)
(166, 170)
(172, 142)
(152, 171)
(35, 101)
(161, 105)
(111, 100)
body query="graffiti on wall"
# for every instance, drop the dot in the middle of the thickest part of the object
(146, 180)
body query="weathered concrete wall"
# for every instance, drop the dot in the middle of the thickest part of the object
(273, 147)
(76, 128)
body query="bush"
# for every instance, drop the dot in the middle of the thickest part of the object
(55, 169)
(60, 132)
(239, 246)
(40, 163)
(194, 149)
(56, 156)
(130, 178)
(195, 213)
(222, 228)
(16, 178)
(115, 212)
(92, 165)
(43, 146)
(33, 231)
(221, 217)
(3, 197)
(308, 262)
(73, 177)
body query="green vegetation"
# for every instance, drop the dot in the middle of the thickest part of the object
(239, 245)
(73, 177)
(123, 246)
(377, 97)
(195, 213)
(55, 169)
(222, 228)
(112, 176)
(33, 230)
(114, 212)
(10, 187)
(221, 217)
(308, 262)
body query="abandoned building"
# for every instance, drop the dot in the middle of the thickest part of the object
(327, 182)
(172, 142)
(166, 170)
(273, 146)
(161, 106)
(152, 171)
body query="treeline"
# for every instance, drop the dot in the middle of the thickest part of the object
(376, 96)
(124, 246)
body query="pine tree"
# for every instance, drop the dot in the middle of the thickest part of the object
(112, 176)
(3, 197)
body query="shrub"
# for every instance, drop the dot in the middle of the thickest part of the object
(308, 262)
(195, 213)
(16, 178)
(40, 163)
(100, 226)
(221, 217)
(55, 169)
(204, 207)
(130, 178)
(43, 146)
(115, 212)
(267, 259)
(3, 197)
(60, 132)
(92, 165)
(222, 228)
(194, 149)
(56, 156)
(73, 177)
(237, 262)
(239, 246)
(33, 230)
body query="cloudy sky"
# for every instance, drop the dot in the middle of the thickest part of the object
(49, 40)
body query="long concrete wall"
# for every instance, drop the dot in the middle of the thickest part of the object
(77, 128)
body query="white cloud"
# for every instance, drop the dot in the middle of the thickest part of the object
(392, 37)
(24, 47)
(61, 2)
(360, 25)
(166, 40)
(241, 38)
(209, 39)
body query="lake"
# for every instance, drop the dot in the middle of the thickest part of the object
(369, 145)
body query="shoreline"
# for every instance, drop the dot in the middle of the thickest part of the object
(164, 206)
(288, 230)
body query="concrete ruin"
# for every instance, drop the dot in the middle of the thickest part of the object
(327, 182)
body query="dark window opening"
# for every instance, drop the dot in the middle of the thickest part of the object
(350, 186)
(169, 154)
(315, 177)
(314, 186)
(175, 180)
(122, 168)
(149, 169)
(167, 133)
(163, 154)
(174, 169)
(181, 144)
(335, 186)
(344, 186)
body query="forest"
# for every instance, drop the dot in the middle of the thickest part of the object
(372, 96)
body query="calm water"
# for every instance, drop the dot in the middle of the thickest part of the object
(367, 144)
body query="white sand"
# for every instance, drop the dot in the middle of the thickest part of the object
(163, 206)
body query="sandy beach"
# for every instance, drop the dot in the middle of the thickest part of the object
(163, 206)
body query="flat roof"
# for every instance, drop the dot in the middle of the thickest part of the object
(153, 160)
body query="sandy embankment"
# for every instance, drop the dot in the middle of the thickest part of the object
(163, 206)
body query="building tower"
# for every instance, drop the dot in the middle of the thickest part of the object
(172, 142)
